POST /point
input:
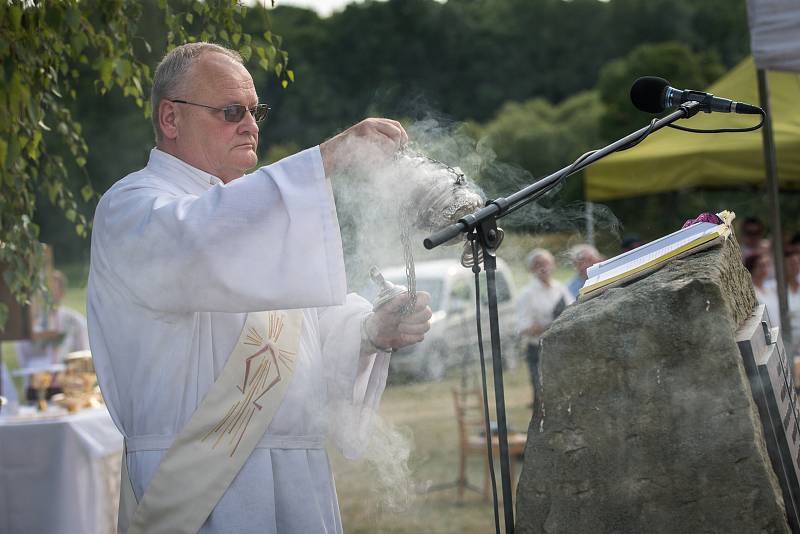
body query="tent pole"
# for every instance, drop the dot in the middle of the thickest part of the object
(774, 206)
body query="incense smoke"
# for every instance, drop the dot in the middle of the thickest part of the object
(373, 199)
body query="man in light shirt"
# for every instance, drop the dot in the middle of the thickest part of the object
(186, 248)
(538, 305)
(583, 256)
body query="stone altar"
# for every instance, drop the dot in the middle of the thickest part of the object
(647, 422)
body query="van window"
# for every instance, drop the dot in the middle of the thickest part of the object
(434, 286)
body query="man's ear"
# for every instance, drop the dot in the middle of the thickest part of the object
(168, 119)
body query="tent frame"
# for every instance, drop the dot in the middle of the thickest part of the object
(771, 167)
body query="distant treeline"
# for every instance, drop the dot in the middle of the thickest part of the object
(540, 81)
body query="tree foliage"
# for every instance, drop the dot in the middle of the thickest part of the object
(460, 60)
(674, 61)
(542, 137)
(47, 52)
(465, 59)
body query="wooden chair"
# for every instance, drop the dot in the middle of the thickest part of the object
(468, 405)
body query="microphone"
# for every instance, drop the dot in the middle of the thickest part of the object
(653, 95)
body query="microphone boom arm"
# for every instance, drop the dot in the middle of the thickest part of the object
(500, 207)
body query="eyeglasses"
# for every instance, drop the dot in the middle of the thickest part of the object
(234, 112)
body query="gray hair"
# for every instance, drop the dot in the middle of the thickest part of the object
(537, 254)
(172, 72)
(581, 251)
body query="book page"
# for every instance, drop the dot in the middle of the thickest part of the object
(649, 253)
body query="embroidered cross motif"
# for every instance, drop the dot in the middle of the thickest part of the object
(261, 373)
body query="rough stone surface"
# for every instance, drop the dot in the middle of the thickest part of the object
(648, 422)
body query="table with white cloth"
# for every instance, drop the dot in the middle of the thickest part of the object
(59, 474)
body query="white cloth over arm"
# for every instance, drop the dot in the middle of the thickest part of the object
(355, 385)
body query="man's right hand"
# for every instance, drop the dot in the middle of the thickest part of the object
(370, 141)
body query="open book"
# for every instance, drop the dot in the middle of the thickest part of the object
(647, 258)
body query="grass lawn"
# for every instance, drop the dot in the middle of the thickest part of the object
(378, 495)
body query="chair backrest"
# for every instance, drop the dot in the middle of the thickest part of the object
(468, 405)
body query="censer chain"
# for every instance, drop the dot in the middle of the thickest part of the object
(411, 277)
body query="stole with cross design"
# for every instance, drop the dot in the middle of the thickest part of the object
(221, 434)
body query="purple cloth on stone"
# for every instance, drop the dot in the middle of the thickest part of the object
(703, 217)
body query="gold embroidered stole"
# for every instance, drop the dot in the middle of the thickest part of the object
(210, 450)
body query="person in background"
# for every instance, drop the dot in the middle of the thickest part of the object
(539, 303)
(583, 256)
(63, 331)
(630, 242)
(794, 243)
(792, 269)
(759, 266)
(752, 236)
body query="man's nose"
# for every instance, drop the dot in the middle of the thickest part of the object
(248, 124)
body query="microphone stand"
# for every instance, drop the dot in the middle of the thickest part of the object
(483, 224)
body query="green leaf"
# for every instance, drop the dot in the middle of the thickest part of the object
(290, 74)
(105, 68)
(87, 192)
(73, 18)
(54, 191)
(3, 152)
(246, 52)
(123, 68)
(284, 84)
(71, 214)
(79, 41)
(80, 161)
(236, 38)
(189, 18)
(15, 15)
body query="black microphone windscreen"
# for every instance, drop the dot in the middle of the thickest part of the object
(647, 94)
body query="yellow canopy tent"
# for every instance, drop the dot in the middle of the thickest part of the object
(672, 160)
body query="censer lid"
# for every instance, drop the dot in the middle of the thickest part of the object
(386, 289)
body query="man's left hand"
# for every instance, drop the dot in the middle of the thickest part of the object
(388, 329)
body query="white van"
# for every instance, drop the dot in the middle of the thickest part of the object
(453, 339)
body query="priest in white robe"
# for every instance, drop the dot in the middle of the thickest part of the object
(183, 249)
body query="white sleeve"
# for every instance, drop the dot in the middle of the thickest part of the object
(355, 383)
(519, 311)
(74, 324)
(268, 240)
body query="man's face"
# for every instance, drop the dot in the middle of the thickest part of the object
(751, 233)
(584, 261)
(542, 268)
(203, 138)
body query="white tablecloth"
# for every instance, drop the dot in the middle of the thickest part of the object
(59, 475)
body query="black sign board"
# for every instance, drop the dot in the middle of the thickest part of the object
(770, 373)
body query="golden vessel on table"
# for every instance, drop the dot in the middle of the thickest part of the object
(79, 383)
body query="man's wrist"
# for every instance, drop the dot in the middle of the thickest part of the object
(368, 343)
